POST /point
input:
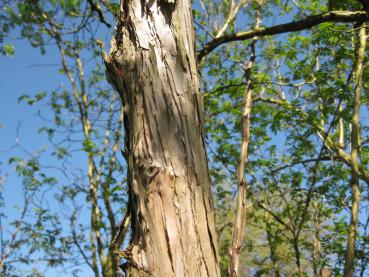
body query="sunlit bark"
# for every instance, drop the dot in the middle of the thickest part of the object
(153, 66)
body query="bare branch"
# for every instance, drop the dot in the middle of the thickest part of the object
(294, 26)
(231, 17)
(327, 140)
(239, 223)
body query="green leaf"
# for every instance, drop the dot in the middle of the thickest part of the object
(89, 146)
(8, 50)
(13, 160)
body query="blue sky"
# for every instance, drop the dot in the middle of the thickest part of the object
(17, 77)
(28, 72)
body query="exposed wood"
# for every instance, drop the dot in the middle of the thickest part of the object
(239, 223)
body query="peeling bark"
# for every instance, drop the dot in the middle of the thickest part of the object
(239, 223)
(153, 66)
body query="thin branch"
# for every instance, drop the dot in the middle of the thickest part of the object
(109, 7)
(76, 242)
(327, 140)
(294, 26)
(96, 8)
(239, 223)
(275, 216)
(7, 251)
(292, 164)
(231, 17)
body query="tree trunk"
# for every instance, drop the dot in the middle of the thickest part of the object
(153, 66)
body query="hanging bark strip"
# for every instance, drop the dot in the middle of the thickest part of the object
(355, 147)
(239, 223)
(152, 64)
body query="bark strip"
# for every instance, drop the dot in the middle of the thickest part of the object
(239, 223)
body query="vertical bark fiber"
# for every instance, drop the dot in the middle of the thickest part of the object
(153, 66)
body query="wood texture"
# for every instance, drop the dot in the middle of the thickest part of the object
(153, 66)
